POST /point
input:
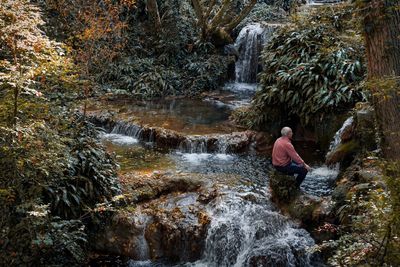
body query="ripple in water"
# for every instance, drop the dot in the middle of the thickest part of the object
(319, 181)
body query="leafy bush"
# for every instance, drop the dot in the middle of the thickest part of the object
(51, 164)
(263, 12)
(63, 169)
(371, 238)
(311, 68)
(91, 174)
(41, 240)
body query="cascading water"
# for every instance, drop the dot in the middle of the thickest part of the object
(128, 129)
(248, 233)
(337, 138)
(194, 144)
(320, 180)
(246, 229)
(249, 43)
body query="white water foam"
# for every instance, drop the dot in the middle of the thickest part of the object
(243, 232)
(324, 171)
(241, 87)
(319, 180)
(337, 138)
(199, 158)
(120, 139)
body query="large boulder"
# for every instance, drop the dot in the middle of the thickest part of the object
(344, 153)
(283, 187)
(356, 137)
(154, 231)
(160, 216)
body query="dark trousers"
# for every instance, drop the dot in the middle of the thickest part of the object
(293, 168)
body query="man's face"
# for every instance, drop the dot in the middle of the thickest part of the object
(290, 134)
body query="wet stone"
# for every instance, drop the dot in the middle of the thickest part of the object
(283, 187)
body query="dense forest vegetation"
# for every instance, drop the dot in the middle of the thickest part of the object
(59, 57)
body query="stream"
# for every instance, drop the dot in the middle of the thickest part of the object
(246, 228)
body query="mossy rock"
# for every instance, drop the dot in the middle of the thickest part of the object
(283, 187)
(339, 194)
(303, 208)
(343, 153)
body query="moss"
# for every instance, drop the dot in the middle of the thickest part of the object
(283, 187)
(303, 210)
(344, 153)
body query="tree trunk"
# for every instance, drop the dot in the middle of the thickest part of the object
(16, 88)
(152, 8)
(382, 37)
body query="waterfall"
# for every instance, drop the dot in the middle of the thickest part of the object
(132, 130)
(205, 144)
(128, 129)
(245, 233)
(337, 139)
(249, 43)
(194, 144)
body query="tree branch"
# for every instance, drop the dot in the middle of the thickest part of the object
(210, 8)
(198, 9)
(220, 14)
(241, 16)
(152, 7)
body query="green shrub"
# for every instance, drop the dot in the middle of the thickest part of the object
(48, 172)
(370, 234)
(312, 67)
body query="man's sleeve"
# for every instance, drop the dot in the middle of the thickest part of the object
(293, 154)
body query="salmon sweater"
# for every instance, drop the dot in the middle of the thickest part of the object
(283, 152)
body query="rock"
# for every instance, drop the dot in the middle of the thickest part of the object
(283, 187)
(206, 196)
(340, 192)
(236, 142)
(303, 209)
(172, 227)
(264, 143)
(365, 128)
(165, 138)
(362, 188)
(230, 49)
(123, 235)
(365, 175)
(343, 153)
(139, 188)
(178, 236)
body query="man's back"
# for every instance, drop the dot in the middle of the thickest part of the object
(283, 152)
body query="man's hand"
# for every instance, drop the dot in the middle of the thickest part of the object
(308, 168)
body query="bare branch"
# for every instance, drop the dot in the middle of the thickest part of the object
(152, 7)
(198, 9)
(220, 14)
(241, 16)
(209, 10)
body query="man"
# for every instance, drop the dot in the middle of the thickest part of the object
(285, 158)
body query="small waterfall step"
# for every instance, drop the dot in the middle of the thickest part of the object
(236, 142)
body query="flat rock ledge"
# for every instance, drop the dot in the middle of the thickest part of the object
(235, 142)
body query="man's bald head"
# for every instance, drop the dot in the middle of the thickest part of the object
(287, 131)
